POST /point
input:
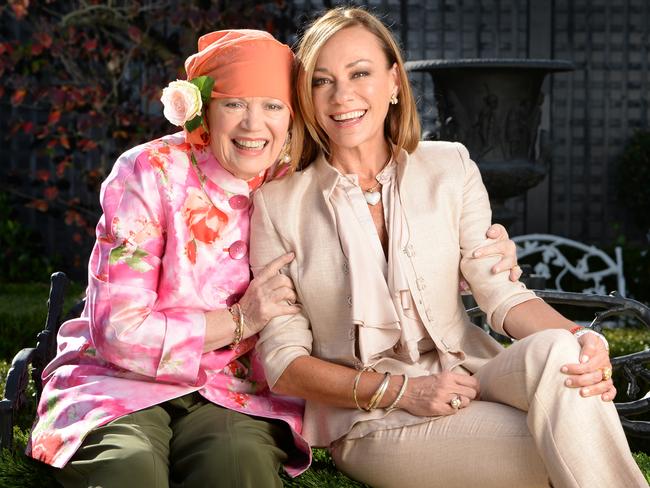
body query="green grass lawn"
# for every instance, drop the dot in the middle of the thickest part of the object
(23, 309)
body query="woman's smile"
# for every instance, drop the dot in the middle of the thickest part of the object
(250, 147)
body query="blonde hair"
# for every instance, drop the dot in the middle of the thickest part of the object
(402, 125)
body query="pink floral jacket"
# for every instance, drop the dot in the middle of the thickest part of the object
(166, 252)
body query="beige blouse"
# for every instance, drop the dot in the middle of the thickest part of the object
(381, 299)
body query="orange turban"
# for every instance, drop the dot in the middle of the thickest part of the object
(244, 63)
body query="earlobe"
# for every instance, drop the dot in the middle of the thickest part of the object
(395, 75)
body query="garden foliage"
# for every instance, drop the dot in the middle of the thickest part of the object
(81, 84)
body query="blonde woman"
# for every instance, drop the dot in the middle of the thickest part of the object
(398, 383)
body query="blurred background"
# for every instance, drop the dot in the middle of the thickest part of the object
(81, 82)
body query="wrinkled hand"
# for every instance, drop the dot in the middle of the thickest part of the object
(503, 247)
(588, 373)
(269, 295)
(428, 396)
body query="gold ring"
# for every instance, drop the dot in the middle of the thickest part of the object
(455, 402)
(607, 373)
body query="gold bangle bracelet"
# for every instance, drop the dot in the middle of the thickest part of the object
(238, 318)
(355, 385)
(402, 390)
(379, 394)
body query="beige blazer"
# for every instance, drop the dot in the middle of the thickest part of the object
(447, 212)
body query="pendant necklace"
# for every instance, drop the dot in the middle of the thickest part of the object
(371, 195)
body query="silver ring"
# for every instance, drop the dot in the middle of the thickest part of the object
(455, 402)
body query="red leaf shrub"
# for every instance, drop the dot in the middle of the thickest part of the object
(84, 80)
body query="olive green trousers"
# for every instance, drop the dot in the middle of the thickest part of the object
(185, 442)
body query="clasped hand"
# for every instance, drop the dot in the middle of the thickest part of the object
(587, 374)
(269, 295)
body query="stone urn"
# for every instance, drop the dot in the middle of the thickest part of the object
(494, 107)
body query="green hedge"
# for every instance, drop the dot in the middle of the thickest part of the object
(627, 340)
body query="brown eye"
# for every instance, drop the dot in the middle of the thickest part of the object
(234, 104)
(320, 81)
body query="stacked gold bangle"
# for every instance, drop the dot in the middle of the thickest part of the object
(355, 385)
(379, 393)
(376, 398)
(399, 396)
(238, 318)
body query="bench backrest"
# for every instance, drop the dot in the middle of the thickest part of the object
(569, 265)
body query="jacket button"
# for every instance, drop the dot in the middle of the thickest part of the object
(346, 267)
(351, 334)
(238, 202)
(350, 301)
(238, 250)
(429, 314)
(409, 251)
(420, 283)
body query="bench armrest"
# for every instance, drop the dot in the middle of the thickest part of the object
(14, 395)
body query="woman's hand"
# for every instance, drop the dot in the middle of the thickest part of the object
(428, 396)
(503, 247)
(269, 295)
(588, 373)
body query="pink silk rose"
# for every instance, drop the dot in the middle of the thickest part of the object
(181, 102)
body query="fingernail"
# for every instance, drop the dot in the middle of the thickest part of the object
(477, 254)
(564, 369)
(497, 269)
(568, 382)
(584, 359)
(585, 391)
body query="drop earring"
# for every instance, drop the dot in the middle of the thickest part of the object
(393, 99)
(285, 154)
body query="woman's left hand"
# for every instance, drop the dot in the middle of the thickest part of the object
(503, 247)
(588, 373)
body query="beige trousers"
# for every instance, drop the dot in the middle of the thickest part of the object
(528, 428)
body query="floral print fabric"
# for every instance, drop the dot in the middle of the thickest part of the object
(171, 244)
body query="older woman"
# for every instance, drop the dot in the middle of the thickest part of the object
(155, 385)
(399, 384)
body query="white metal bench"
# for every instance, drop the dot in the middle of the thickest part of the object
(560, 260)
